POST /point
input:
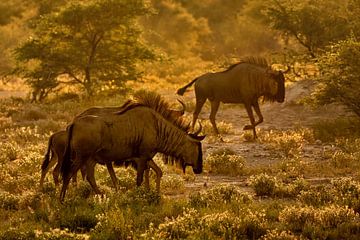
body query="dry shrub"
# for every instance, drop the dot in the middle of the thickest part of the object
(331, 221)
(289, 143)
(225, 161)
(219, 195)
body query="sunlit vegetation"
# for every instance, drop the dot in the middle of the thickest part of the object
(65, 56)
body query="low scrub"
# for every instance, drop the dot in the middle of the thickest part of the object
(271, 186)
(226, 225)
(331, 221)
(290, 143)
(225, 161)
(222, 194)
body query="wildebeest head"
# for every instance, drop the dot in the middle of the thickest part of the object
(193, 156)
(277, 85)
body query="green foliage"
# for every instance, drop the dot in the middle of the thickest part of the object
(340, 79)
(92, 44)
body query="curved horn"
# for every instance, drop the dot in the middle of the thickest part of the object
(183, 106)
(199, 130)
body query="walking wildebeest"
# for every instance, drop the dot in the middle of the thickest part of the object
(244, 82)
(138, 132)
(57, 141)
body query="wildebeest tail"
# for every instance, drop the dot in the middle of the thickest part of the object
(66, 164)
(46, 161)
(182, 90)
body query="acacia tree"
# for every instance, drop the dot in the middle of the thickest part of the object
(340, 79)
(313, 24)
(90, 43)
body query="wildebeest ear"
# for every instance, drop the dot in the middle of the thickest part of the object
(199, 138)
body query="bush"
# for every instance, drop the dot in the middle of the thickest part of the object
(340, 78)
(225, 225)
(276, 234)
(169, 183)
(9, 201)
(223, 127)
(316, 196)
(321, 223)
(112, 225)
(330, 130)
(263, 184)
(289, 142)
(225, 161)
(219, 195)
(16, 234)
(78, 215)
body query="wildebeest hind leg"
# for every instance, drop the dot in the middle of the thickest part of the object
(56, 173)
(199, 104)
(44, 172)
(252, 120)
(73, 170)
(147, 180)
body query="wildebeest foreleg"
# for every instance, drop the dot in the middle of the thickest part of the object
(214, 108)
(199, 104)
(90, 169)
(258, 113)
(252, 119)
(158, 172)
(112, 175)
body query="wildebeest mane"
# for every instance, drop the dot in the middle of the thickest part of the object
(154, 101)
(258, 61)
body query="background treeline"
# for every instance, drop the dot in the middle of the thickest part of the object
(98, 45)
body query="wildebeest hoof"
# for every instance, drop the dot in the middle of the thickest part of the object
(247, 127)
(220, 138)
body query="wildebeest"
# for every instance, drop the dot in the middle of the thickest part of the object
(244, 82)
(138, 132)
(57, 141)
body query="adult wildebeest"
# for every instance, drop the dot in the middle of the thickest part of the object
(137, 132)
(244, 82)
(57, 141)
